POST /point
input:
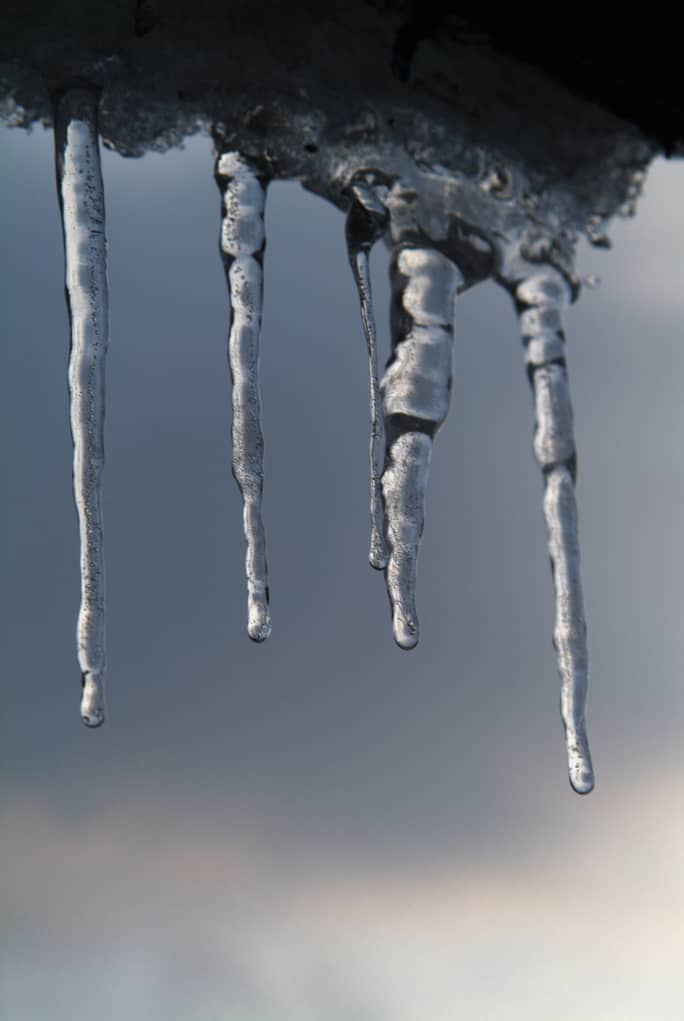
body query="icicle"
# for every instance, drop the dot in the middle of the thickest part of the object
(242, 247)
(366, 222)
(416, 390)
(81, 199)
(540, 299)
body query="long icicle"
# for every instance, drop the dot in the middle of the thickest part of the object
(416, 390)
(366, 221)
(540, 299)
(81, 200)
(243, 240)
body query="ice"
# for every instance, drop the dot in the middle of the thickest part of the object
(366, 222)
(243, 240)
(81, 200)
(449, 227)
(540, 299)
(416, 389)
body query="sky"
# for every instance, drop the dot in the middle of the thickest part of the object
(324, 826)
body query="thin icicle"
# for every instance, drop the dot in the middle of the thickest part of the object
(540, 299)
(242, 246)
(81, 199)
(366, 222)
(416, 390)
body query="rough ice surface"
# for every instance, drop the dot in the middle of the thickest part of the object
(468, 190)
(404, 482)
(570, 632)
(540, 298)
(446, 232)
(243, 240)
(81, 199)
(416, 388)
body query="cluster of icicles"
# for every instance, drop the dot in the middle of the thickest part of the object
(407, 407)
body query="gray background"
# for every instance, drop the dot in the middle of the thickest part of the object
(325, 827)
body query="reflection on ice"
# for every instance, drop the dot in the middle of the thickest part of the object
(540, 299)
(81, 200)
(243, 240)
(416, 390)
(454, 209)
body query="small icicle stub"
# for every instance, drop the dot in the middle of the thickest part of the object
(243, 239)
(366, 223)
(540, 298)
(81, 202)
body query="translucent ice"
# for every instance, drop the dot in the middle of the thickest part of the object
(453, 215)
(416, 388)
(81, 199)
(540, 298)
(243, 240)
(366, 221)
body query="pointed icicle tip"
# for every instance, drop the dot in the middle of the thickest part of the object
(580, 768)
(92, 700)
(403, 484)
(258, 619)
(242, 242)
(581, 778)
(405, 632)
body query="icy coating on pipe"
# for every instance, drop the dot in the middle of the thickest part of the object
(243, 241)
(540, 299)
(366, 221)
(416, 388)
(81, 199)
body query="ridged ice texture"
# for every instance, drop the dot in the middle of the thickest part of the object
(416, 389)
(540, 299)
(366, 220)
(243, 241)
(81, 199)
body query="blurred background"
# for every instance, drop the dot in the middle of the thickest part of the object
(325, 827)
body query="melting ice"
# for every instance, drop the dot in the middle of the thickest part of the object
(81, 200)
(446, 231)
(366, 222)
(243, 239)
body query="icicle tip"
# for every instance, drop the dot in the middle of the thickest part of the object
(405, 632)
(580, 769)
(92, 700)
(258, 623)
